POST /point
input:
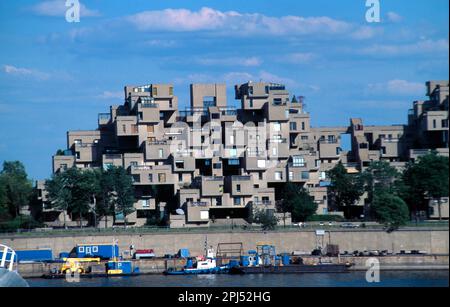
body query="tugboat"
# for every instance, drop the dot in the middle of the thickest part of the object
(9, 277)
(208, 265)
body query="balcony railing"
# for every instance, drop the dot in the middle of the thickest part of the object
(277, 140)
(241, 178)
(299, 165)
(228, 111)
(213, 178)
(262, 202)
(323, 141)
(113, 156)
(149, 105)
(158, 142)
(198, 204)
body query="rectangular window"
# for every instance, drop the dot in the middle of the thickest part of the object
(150, 177)
(133, 163)
(261, 163)
(217, 165)
(238, 188)
(291, 175)
(161, 153)
(323, 175)
(293, 126)
(161, 115)
(304, 137)
(434, 123)
(171, 91)
(305, 175)
(444, 123)
(298, 161)
(237, 201)
(276, 127)
(303, 125)
(233, 162)
(162, 177)
(274, 151)
(250, 90)
(180, 177)
(277, 101)
(154, 91)
(124, 128)
(204, 215)
(135, 178)
(179, 164)
(331, 139)
(77, 155)
(150, 128)
(233, 152)
(145, 203)
(231, 139)
(78, 141)
(278, 176)
(63, 166)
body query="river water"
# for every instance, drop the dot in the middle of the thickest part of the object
(351, 279)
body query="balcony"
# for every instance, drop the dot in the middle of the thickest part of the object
(240, 185)
(212, 186)
(152, 174)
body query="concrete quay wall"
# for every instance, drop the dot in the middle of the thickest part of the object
(430, 241)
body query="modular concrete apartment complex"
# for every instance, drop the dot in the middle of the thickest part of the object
(216, 162)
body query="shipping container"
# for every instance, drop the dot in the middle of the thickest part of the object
(33, 255)
(120, 267)
(102, 251)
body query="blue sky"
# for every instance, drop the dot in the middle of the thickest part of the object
(56, 76)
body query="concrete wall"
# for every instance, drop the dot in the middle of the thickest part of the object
(431, 241)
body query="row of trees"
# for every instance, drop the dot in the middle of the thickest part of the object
(392, 195)
(95, 192)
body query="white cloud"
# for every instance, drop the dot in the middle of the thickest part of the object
(420, 47)
(110, 95)
(25, 72)
(208, 19)
(230, 61)
(298, 58)
(163, 43)
(397, 87)
(394, 17)
(239, 77)
(57, 8)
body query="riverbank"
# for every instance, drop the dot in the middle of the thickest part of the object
(387, 263)
(431, 241)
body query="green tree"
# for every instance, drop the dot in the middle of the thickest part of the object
(426, 179)
(380, 178)
(266, 218)
(17, 189)
(105, 199)
(296, 199)
(390, 210)
(123, 192)
(304, 206)
(345, 189)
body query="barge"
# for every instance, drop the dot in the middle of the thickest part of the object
(264, 260)
(291, 268)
